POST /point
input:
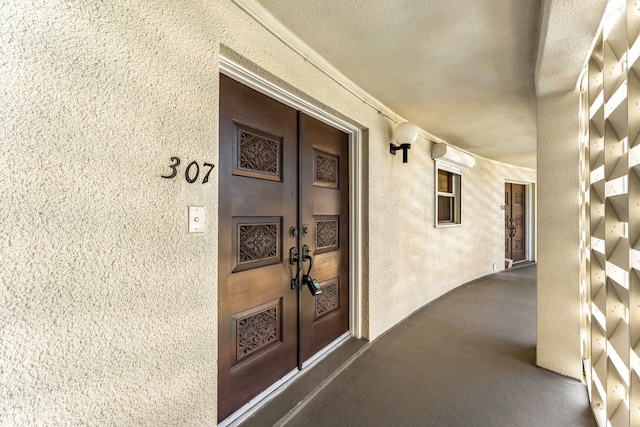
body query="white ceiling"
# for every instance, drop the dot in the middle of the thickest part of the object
(465, 71)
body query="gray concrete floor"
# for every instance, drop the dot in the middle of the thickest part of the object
(467, 359)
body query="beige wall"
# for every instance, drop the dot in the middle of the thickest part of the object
(108, 305)
(559, 347)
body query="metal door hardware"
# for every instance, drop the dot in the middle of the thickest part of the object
(512, 227)
(312, 284)
(294, 259)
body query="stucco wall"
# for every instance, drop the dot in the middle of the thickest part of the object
(558, 330)
(412, 262)
(108, 305)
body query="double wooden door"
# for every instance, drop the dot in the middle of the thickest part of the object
(514, 222)
(284, 189)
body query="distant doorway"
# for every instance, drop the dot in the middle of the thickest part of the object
(515, 222)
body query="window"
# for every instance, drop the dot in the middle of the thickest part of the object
(448, 194)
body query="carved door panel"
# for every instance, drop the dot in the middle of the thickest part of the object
(280, 171)
(324, 208)
(515, 222)
(258, 311)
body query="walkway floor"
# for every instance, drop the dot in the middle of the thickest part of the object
(467, 359)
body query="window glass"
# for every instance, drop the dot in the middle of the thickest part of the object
(445, 209)
(444, 181)
(448, 195)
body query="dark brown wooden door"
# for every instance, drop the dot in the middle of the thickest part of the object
(258, 203)
(515, 221)
(324, 209)
(279, 188)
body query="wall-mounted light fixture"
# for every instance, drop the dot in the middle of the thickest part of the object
(406, 134)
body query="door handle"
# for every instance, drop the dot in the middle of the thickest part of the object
(312, 284)
(294, 259)
(512, 227)
(293, 256)
(305, 254)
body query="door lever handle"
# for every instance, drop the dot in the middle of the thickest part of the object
(294, 259)
(312, 284)
(512, 227)
(293, 256)
(305, 254)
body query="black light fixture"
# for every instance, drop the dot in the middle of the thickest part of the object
(405, 133)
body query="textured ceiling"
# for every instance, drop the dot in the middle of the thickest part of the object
(463, 70)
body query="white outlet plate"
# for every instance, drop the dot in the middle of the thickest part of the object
(197, 219)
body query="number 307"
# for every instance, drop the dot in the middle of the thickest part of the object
(191, 173)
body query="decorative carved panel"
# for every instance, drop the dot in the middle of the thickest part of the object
(506, 245)
(329, 300)
(517, 199)
(517, 243)
(257, 242)
(257, 154)
(327, 233)
(326, 166)
(257, 329)
(518, 220)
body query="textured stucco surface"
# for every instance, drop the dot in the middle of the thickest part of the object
(559, 347)
(108, 305)
(567, 35)
(412, 262)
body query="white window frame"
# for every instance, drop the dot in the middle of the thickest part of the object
(456, 195)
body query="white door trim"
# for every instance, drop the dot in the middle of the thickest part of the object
(248, 78)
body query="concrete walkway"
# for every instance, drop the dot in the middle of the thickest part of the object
(467, 359)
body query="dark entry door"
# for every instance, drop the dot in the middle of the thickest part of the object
(283, 184)
(515, 221)
(324, 211)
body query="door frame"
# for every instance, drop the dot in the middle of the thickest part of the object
(250, 79)
(529, 252)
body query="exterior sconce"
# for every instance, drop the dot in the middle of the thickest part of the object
(406, 134)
